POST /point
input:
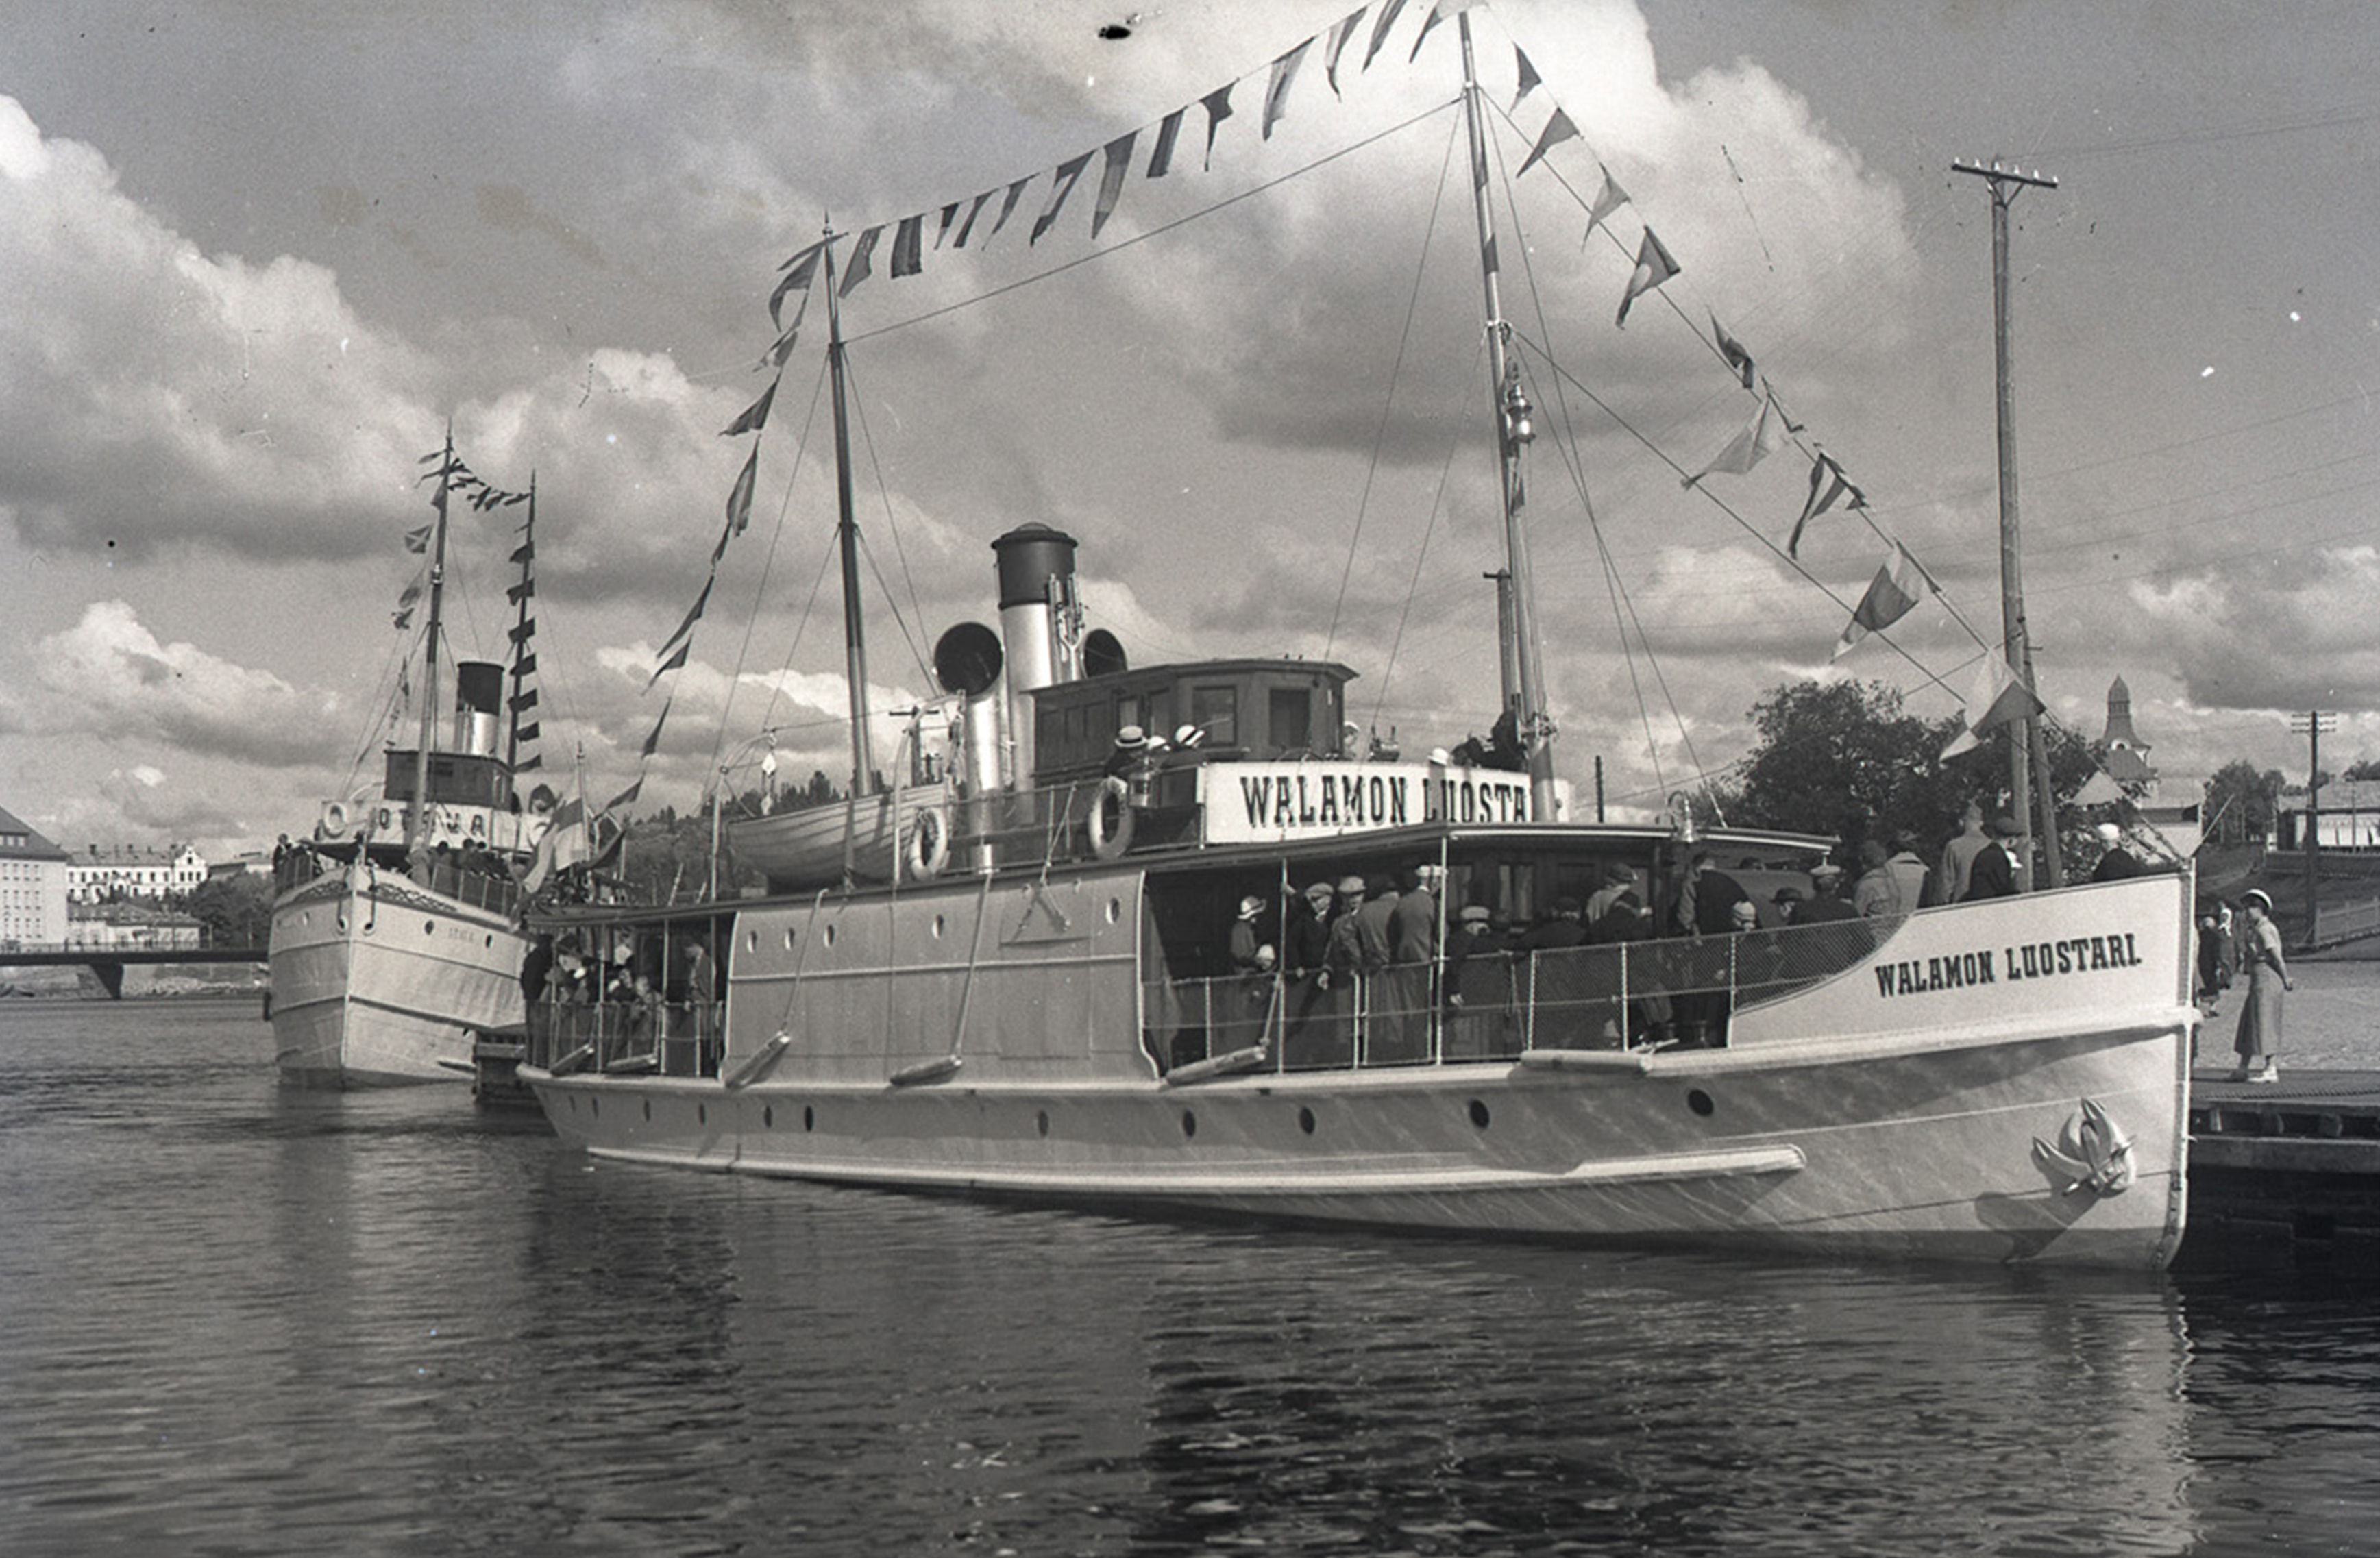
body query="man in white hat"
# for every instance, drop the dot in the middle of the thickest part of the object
(2116, 862)
(1242, 938)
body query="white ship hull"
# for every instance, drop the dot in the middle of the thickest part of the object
(1893, 1108)
(377, 981)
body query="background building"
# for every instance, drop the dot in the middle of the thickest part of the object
(33, 887)
(133, 871)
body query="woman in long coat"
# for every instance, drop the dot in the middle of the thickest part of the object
(2259, 1038)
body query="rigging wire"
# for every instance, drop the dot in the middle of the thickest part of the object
(1138, 238)
(1388, 397)
(761, 591)
(858, 404)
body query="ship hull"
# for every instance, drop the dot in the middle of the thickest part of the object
(379, 982)
(1866, 1116)
(1924, 1155)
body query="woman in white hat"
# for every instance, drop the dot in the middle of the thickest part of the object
(2259, 1037)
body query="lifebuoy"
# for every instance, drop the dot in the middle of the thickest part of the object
(335, 818)
(1110, 838)
(929, 844)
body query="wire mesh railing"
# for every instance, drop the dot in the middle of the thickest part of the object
(1494, 1004)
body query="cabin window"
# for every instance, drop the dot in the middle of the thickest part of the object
(1215, 712)
(1128, 711)
(1291, 717)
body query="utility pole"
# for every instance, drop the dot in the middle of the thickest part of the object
(2313, 722)
(2028, 747)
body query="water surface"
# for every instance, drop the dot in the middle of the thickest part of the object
(244, 1319)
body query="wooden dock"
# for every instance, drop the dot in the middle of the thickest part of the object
(2284, 1172)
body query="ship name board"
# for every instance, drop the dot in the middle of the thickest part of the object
(1252, 801)
(2040, 959)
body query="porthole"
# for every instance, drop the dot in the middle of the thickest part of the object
(1115, 910)
(1041, 1121)
(1305, 1121)
(752, 940)
(702, 1113)
(1189, 1123)
(342, 925)
(573, 1103)
(809, 1118)
(830, 936)
(595, 1107)
(792, 935)
(767, 1116)
(491, 939)
(1700, 1102)
(430, 927)
(648, 1111)
(1480, 1113)
(938, 928)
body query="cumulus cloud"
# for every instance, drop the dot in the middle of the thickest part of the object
(109, 677)
(2279, 633)
(238, 402)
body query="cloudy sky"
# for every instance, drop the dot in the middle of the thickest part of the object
(257, 259)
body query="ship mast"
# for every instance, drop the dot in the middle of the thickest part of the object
(855, 645)
(1523, 678)
(523, 697)
(416, 816)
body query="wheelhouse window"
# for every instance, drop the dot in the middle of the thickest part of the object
(1291, 717)
(1216, 711)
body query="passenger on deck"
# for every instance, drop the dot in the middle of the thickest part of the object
(1705, 900)
(1478, 987)
(1877, 894)
(1413, 921)
(1307, 937)
(1240, 940)
(1373, 920)
(1559, 930)
(1826, 901)
(2118, 862)
(1909, 874)
(1346, 958)
(1998, 871)
(1617, 879)
(1959, 854)
(536, 968)
(1125, 759)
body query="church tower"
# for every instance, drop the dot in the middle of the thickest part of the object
(2128, 755)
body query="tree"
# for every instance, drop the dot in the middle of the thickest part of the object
(236, 910)
(2364, 769)
(1841, 757)
(2241, 804)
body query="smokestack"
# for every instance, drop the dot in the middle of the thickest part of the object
(1041, 622)
(478, 689)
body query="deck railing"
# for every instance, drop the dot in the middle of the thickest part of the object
(671, 1038)
(1496, 1005)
